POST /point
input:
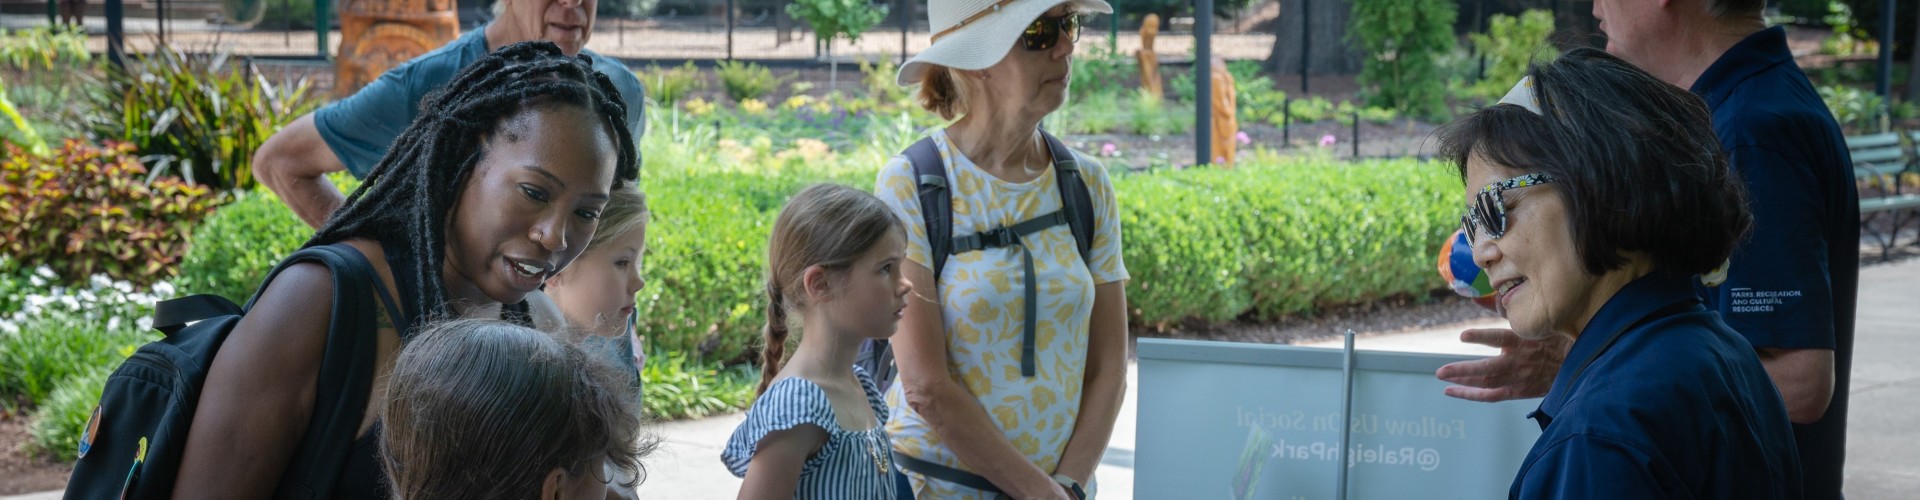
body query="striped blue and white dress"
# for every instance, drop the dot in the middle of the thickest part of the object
(853, 464)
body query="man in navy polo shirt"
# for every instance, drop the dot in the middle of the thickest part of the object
(354, 133)
(1790, 288)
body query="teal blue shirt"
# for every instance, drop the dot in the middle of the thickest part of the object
(360, 128)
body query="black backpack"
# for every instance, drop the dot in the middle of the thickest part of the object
(936, 211)
(132, 446)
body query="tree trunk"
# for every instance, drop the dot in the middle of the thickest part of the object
(1330, 53)
(833, 68)
(782, 24)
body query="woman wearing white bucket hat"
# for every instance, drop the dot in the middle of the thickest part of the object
(1012, 373)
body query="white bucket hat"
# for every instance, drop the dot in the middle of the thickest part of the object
(975, 34)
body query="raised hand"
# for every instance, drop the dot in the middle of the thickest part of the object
(1523, 369)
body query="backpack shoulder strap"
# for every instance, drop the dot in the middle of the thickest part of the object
(170, 315)
(346, 372)
(1075, 199)
(936, 201)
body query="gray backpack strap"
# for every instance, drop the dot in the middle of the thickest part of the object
(1075, 199)
(936, 201)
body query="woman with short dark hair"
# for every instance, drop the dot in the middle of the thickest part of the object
(1596, 195)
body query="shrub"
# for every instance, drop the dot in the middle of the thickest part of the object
(86, 210)
(196, 117)
(61, 419)
(1254, 94)
(233, 250)
(1099, 71)
(1181, 86)
(708, 240)
(1404, 40)
(1509, 44)
(667, 86)
(1852, 107)
(1101, 113)
(878, 77)
(745, 80)
(42, 63)
(1189, 272)
(46, 48)
(1306, 110)
(16, 130)
(1154, 116)
(1278, 237)
(677, 387)
(51, 346)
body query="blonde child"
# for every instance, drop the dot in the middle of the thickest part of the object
(596, 292)
(816, 430)
(490, 409)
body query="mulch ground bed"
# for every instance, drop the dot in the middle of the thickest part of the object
(21, 473)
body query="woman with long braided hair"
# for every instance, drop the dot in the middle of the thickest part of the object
(496, 186)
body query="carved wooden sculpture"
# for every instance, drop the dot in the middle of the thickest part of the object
(1149, 62)
(1226, 123)
(377, 35)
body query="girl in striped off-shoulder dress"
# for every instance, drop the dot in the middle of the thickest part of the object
(817, 428)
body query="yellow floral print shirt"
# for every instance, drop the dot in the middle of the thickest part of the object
(981, 302)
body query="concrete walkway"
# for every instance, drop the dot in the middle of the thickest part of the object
(1883, 452)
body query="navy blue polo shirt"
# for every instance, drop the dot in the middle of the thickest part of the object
(1792, 284)
(361, 127)
(1677, 406)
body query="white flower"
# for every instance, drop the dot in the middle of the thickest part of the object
(145, 323)
(37, 281)
(87, 296)
(113, 323)
(9, 327)
(123, 287)
(68, 301)
(100, 281)
(163, 289)
(44, 272)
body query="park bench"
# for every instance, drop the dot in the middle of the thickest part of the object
(1880, 160)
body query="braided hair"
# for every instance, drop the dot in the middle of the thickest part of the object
(408, 198)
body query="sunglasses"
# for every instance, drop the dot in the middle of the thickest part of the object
(1489, 212)
(1046, 32)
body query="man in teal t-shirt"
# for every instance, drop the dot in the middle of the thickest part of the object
(352, 134)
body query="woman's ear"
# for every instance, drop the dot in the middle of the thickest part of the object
(818, 284)
(550, 488)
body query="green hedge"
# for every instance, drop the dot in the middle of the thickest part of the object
(707, 261)
(233, 249)
(1280, 237)
(1276, 237)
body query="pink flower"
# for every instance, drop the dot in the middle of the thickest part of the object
(1326, 140)
(1109, 150)
(1242, 137)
